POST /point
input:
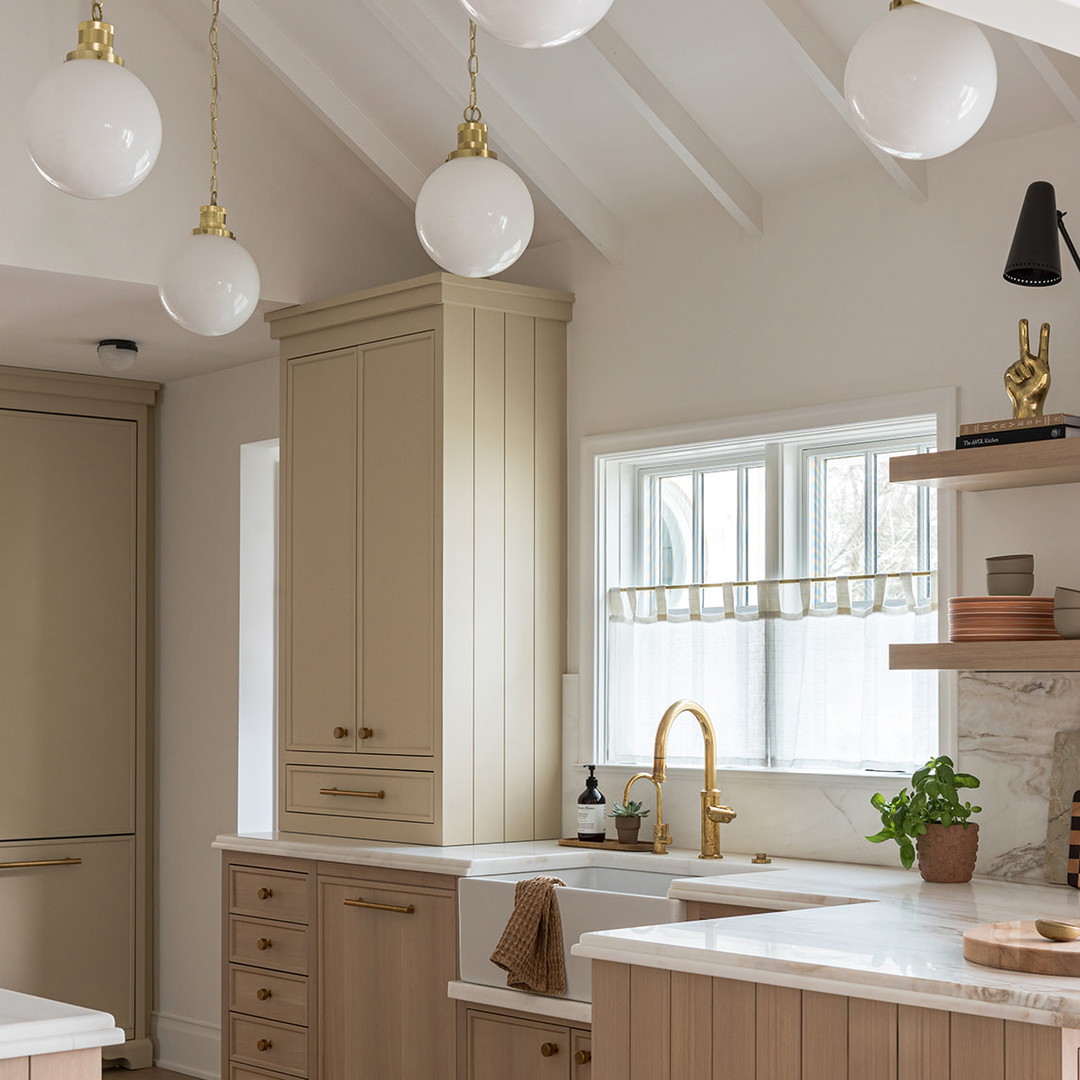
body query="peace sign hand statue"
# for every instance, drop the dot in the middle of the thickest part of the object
(1028, 380)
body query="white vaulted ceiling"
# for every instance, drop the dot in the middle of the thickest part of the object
(345, 106)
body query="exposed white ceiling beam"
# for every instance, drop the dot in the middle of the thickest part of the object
(1050, 22)
(823, 62)
(667, 117)
(444, 61)
(356, 128)
(1064, 82)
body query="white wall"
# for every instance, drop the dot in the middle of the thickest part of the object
(203, 422)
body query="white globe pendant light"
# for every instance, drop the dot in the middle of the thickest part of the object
(210, 285)
(920, 82)
(93, 129)
(474, 215)
(536, 24)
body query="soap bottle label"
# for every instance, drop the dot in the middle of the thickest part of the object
(590, 818)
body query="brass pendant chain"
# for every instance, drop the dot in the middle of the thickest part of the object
(97, 13)
(472, 110)
(215, 7)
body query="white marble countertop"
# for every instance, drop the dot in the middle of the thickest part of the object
(33, 1025)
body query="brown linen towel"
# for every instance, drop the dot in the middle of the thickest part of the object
(531, 946)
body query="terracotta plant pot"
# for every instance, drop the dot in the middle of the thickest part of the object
(947, 852)
(628, 828)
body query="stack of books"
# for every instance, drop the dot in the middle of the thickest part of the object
(1028, 429)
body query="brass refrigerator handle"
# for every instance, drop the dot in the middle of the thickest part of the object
(39, 862)
(354, 794)
(406, 909)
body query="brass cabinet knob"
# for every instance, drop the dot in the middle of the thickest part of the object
(549, 1049)
(340, 732)
(263, 994)
(583, 1057)
(265, 893)
(264, 1044)
(365, 733)
(263, 943)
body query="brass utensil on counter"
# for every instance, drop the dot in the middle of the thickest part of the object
(1056, 930)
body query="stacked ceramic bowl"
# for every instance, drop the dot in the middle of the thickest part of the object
(1010, 575)
(1002, 618)
(1067, 612)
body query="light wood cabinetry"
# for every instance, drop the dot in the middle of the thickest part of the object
(496, 1044)
(423, 562)
(76, 469)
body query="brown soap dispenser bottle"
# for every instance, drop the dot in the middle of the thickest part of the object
(590, 810)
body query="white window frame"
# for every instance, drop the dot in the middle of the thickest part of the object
(606, 488)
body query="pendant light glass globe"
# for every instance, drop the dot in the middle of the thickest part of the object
(210, 285)
(474, 216)
(536, 24)
(93, 129)
(920, 82)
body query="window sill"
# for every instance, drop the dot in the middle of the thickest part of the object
(773, 776)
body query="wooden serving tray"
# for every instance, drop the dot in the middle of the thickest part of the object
(1018, 946)
(606, 845)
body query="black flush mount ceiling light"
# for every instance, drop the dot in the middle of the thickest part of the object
(1034, 258)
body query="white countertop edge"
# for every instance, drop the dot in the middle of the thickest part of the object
(576, 1012)
(875, 990)
(58, 1043)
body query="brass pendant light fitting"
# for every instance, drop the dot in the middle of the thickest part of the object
(96, 39)
(901, 3)
(472, 135)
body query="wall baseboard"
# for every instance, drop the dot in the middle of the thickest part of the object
(188, 1046)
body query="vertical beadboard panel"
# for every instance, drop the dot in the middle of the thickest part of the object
(922, 1044)
(734, 1007)
(977, 1047)
(456, 574)
(550, 577)
(779, 1033)
(1032, 1051)
(520, 576)
(872, 1039)
(610, 1021)
(825, 1038)
(691, 1026)
(650, 1024)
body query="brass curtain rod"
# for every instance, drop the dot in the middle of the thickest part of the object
(775, 581)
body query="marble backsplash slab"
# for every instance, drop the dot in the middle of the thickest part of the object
(1006, 728)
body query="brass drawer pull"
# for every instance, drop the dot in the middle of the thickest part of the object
(583, 1057)
(265, 893)
(549, 1049)
(263, 994)
(263, 943)
(340, 732)
(406, 909)
(366, 733)
(264, 1044)
(354, 794)
(39, 862)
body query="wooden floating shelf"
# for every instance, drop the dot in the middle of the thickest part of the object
(987, 656)
(984, 468)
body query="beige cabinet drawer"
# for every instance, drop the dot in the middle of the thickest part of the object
(246, 1072)
(271, 995)
(269, 894)
(268, 945)
(389, 794)
(269, 1045)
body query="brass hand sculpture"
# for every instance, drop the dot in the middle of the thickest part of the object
(1028, 380)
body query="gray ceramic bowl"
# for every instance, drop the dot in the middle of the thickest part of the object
(1010, 584)
(1067, 622)
(1010, 564)
(1066, 598)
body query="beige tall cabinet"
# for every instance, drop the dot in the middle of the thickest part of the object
(75, 692)
(423, 562)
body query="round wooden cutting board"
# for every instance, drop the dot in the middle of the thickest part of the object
(1018, 946)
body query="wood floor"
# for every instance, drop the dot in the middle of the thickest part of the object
(142, 1074)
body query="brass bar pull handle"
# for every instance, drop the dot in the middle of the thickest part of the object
(406, 909)
(583, 1057)
(264, 1044)
(265, 893)
(365, 733)
(549, 1049)
(263, 994)
(39, 862)
(263, 943)
(354, 794)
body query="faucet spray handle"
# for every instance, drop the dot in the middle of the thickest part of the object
(722, 814)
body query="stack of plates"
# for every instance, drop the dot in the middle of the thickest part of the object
(1001, 618)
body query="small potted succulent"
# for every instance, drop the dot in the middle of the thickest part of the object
(930, 821)
(628, 820)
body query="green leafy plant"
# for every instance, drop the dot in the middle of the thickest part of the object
(631, 809)
(934, 799)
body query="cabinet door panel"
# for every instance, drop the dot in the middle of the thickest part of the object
(71, 926)
(67, 631)
(502, 1046)
(319, 619)
(398, 484)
